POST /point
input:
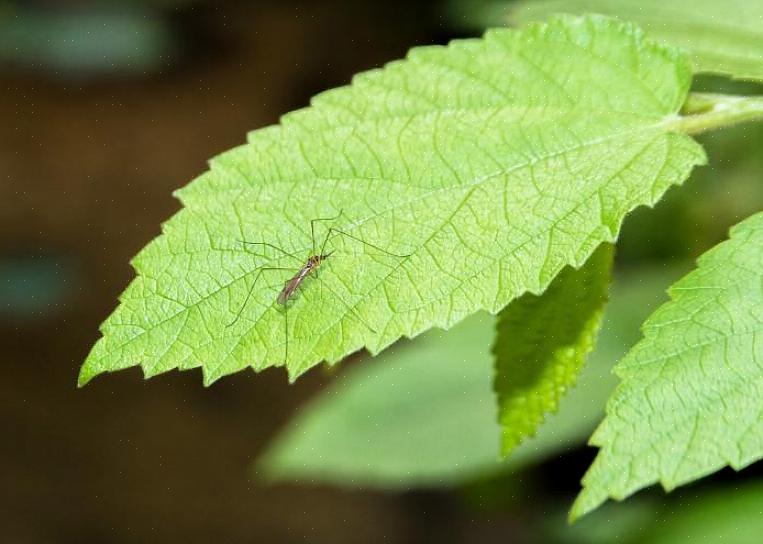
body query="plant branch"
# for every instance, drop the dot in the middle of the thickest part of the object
(706, 111)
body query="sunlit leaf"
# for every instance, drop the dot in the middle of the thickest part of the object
(490, 163)
(723, 37)
(691, 397)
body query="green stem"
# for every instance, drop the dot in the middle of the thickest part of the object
(706, 111)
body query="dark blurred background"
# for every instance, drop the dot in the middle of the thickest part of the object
(107, 107)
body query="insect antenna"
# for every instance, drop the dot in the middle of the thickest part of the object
(312, 227)
(266, 244)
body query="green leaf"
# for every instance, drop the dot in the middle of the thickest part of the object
(493, 162)
(423, 412)
(691, 397)
(728, 514)
(628, 523)
(542, 342)
(722, 37)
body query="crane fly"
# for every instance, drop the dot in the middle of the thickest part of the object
(311, 266)
(308, 269)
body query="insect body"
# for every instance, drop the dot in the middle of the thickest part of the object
(310, 267)
(313, 262)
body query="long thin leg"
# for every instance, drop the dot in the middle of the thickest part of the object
(312, 227)
(349, 308)
(333, 229)
(266, 244)
(251, 290)
(286, 331)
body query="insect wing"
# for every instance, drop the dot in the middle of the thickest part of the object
(293, 284)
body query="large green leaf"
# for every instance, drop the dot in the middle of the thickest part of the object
(423, 413)
(494, 163)
(691, 397)
(541, 344)
(723, 37)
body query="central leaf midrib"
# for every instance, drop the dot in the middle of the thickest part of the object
(299, 181)
(291, 123)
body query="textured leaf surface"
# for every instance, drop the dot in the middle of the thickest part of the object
(542, 342)
(423, 412)
(493, 162)
(722, 37)
(691, 397)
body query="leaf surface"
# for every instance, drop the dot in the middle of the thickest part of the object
(722, 37)
(491, 163)
(541, 344)
(691, 397)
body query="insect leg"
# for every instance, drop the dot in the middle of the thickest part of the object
(336, 230)
(349, 308)
(266, 244)
(251, 290)
(312, 228)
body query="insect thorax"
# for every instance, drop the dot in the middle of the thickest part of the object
(315, 260)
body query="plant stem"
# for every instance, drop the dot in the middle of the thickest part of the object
(707, 111)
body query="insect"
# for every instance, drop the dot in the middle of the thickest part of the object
(309, 268)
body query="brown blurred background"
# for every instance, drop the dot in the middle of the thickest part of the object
(94, 138)
(107, 107)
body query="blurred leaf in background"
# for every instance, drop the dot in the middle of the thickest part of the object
(733, 515)
(722, 37)
(627, 523)
(32, 285)
(98, 38)
(423, 413)
(729, 514)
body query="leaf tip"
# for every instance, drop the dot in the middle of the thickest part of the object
(293, 373)
(87, 372)
(586, 502)
(209, 377)
(84, 377)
